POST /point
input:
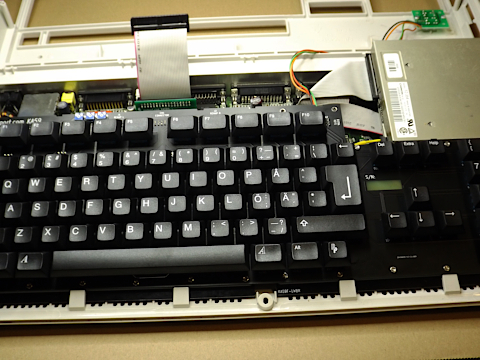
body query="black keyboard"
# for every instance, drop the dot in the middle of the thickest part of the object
(226, 202)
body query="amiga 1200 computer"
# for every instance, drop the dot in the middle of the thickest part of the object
(320, 169)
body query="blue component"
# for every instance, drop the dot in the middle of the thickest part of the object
(90, 116)
(101, 115)
(78, 116)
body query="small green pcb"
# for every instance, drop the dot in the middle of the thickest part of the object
(166, 104)
(430, 19)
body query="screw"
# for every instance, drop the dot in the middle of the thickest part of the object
(29, 286)
(447, 143)
(393, 269)
(246, 279)
(136, 282)
(285, 275)
(339, 274)
(82, 283)
(334, 109)
(191, 279)
(446, 267)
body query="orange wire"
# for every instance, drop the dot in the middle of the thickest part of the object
(403, 22)
(294, 80)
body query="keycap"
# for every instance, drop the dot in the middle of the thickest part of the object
(336, 254)
(279, 179)
(253, 180)
(54, 164)
(265, 156)
(192, 233)
(349, 225)
(206, 207)
(52, 234)
(7, 264)
(343, 153)
(107, 131)
(246, 125)
(238, 157)
(267, 257)
(132, 161)
(199, 182)
(303, 255)
(233, 206)
(33, 264)
(260, 205)
(158, 159)
(395, 225)
(26, 238)
(449, 221)
(164, 232)
(106, 162)
(276, 230)
(80, 163)
(407, 153)
(212, 158)
(383, 156)
(291, 156)
(220, 233)
(277, 124)
(225, 181)
(306, 178)
(288, 203)
(186, 159)
(107, 234)
(315, 202)
(182, 128)
(417, 197)
(45, 133)
(472, 171)
(141, 261)
(139, 130)
(310, 124)
(29, 165)
(422, 223)
(433, 152)
(42, 212)
(6, 166)
(13, 135)
(317, 155)
(469, 149)
(14, 189)
(134, 233)
(345, 183)
(249, 231)
(214, 127)
(75, 132)
(6, 239)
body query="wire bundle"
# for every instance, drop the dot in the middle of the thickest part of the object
(402, 23)
(295, 81)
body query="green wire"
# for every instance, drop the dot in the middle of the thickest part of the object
(403, 31)
(291, 61)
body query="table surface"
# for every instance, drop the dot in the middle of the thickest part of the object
(440, 334)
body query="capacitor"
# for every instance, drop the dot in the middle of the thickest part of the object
(256, 101)
(63, 108)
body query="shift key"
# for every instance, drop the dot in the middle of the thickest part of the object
(350, 226)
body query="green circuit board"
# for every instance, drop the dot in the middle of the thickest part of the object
(430, 19)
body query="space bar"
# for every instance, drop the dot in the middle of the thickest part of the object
(149, 261)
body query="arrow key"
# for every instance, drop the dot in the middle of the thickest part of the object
(417, 198)
(422, 223)
(449, 221)
(395, 225)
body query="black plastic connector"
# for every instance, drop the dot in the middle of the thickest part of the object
(159, 22)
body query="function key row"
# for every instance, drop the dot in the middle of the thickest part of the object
(273, 125)
(51, 133)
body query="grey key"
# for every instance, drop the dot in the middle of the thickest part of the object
(78, 161)
(233, 202)
(50, 234)
(89, 183)
(214, 122)
(11, 186)
(143, 181)
(280, 176)
(252, 176)
(36, 185)
(318, 151)
(52, 161)
(139, 125)
(289, 199)
(162, 230)
(40, 209)
(248, 227)
(238, 153)
(27, 162)
(157, 157)
(78, 233)
(246, 121)
(307, 175)
(13, 210)
(106, 232)
(182, 123)
(177, 203)
(171, 180)
(279, 119)
(104, 126)
(116, 182)
(73, 128)
(67, 208)
(23, 235)
(32, 264)
(149, 205)
(311, 118)
(330, 223)
(184, 156)
(131, 158)
(63, 184)
(225, 177)
(261, 201)
(337, 249)
(191, 229)
(317, 198)
(265, 153)
(198, 179)
(93, 207)
(268, 253)
(205, 203)
(219, 228)
(121, 207)
(277, 226)
(134, 231)
(292, 152)
(304, 251)
(211, 155)
(104, 159)
(346, 186)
